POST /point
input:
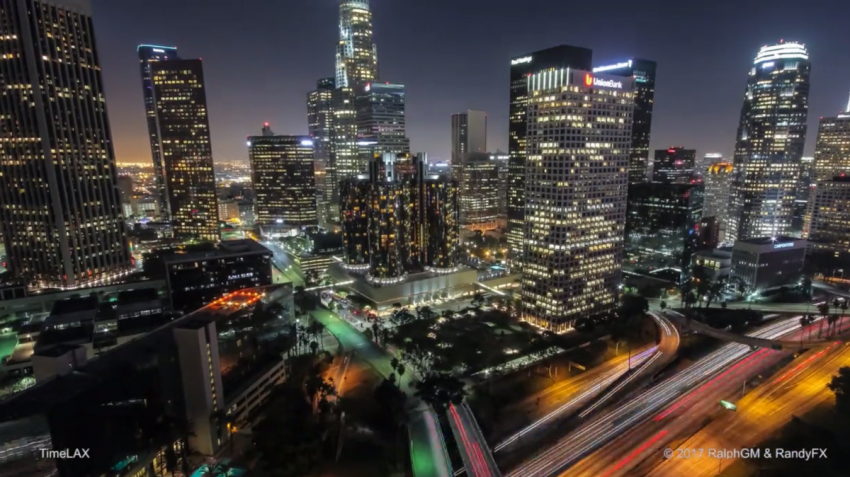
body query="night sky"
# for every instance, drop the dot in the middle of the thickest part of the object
(261, 57)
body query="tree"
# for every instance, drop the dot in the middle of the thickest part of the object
(633, 305)
(440, 390)
(715, 289)
(840, 385)
(663, 305)
(402, 317)
(823, 308)
(425, 313)
(843, 307)
(314, 347)
(290, 437)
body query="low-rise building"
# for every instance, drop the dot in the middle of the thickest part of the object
(197, 279)
(768, 263)
(716, 263)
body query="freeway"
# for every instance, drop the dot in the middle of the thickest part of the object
(795, 390)
(478, 461)
(645, 441)
(597, 432)
(427, 448)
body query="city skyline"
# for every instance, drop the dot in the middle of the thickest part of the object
(243, 92)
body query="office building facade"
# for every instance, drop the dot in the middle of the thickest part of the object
(718, 179)
(320, 126)
(469, 133)
(662, 228)
(643, 72)
(770, 141)
(674, 165)
(501, 159)
(182, 120)
(768, 263)
(521, 67)
(150, 54)
(477, 177)
(381, 122)
(283, 178)
(832, 150)
(827, 221)
(60, 207)
(706, 162)
(575, 194)
(197, 279)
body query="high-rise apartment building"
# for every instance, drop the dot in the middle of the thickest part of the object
(477, 177)
(469, 133)
(320, 126)
(717, 180)
(380, 119)
(182, 120)
(674, 166)
(356, 55)
(832, 150)
(150, 54)
(576, 173)
(770, 142)
(60, 209)
(827, 222)
(643, 72)
(522, 66)
(282, 175)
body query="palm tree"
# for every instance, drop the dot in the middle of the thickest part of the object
(663, 305)
(823, 308)
(831, 319)
(843, 307)
(804, 321)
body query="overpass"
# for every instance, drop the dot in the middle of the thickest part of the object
(786, 345)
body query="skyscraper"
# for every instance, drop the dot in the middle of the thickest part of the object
(282, 175)
(356, 54)
(180, 100)
(477, 177)
(522, 66)
(469, 133)
(60, 210)
(674, 166)
(661, 227)
(576, 175)
(707, 160)
(718, 179)
(770, 143)
(320, 125)
(827, 222)
(832, 151)
(643, 72)
(150, 54)
(381, 119)
(344, 153)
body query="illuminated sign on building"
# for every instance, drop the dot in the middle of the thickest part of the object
(609, 83)
(617, 66)
(783, 245)
(157, 50)
(519, 61)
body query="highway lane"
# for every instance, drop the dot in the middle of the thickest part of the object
(647, 439)
(605, 427)
(477, 459)
(592, 389)
(795, 390)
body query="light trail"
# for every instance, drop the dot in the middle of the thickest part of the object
(596, 433)
(592, 390)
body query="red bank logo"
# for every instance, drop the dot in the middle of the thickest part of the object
(588, 80)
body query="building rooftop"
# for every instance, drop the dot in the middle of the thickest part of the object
(770, 240)
(227, 248)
